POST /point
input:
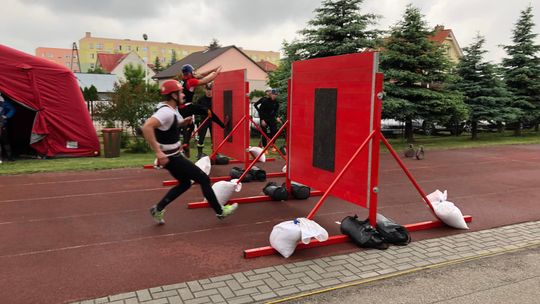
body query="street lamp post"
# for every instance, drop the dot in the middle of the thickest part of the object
(145, 37)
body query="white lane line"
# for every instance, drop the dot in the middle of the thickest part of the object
(168, 235)
(79, 195)
(70, 181)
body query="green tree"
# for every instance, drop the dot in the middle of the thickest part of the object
(522, 70)
(93, 93)
(134, 74)
(416, 72)
(174, 58)
(85, 93)
(338, 28)
(97, 70)
(157, 65)
(132, 101)
(214, 44)
(484, 92)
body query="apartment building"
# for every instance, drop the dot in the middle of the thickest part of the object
(90, 46)
(58, 55)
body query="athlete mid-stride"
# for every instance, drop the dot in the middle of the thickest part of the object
(162, 134)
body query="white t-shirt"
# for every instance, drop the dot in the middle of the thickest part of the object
(165, 115)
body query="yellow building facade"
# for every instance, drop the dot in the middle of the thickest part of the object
(148, 50)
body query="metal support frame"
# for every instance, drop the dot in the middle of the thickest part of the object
(267, 138)
(196, 131)
(267, 250)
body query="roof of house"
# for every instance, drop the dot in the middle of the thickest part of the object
(267, 65)
(197, 60)
(440, 34)
(109, 61)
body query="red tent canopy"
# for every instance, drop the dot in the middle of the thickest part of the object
(62, 125)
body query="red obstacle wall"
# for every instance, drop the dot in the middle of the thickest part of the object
(333, 109)
(231, 103)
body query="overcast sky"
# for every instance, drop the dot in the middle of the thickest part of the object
(251, 24)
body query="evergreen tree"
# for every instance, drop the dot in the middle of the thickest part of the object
(522, 70)
(157, 65)
(173, 58)
(134, 74)
(214, 44)
(416, 71)
(484, 92)
(338, 28)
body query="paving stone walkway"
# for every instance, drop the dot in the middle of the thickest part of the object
(274, 283)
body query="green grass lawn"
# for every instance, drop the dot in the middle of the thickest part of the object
(127, 160)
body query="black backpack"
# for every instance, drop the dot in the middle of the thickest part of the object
(391, 232)
(362, 233)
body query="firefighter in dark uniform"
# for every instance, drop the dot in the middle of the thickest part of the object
(268, 108)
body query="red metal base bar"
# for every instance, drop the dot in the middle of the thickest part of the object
(244, 200)
(148, 167)
(237, 161)
(214, 179)
(337, 239)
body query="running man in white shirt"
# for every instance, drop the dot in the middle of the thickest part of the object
(161, 131)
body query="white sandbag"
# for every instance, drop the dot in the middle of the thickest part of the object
(285, 236)
(225, 189)
(284, 169)
(310, 229)
(204, 164)
(255, 151)
(449, 214)
(437, 197)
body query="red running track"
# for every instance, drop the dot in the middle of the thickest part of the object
(79, 235)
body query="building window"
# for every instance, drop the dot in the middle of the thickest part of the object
(99, 46)
(90, 45)
(119, 47)
(91, 65)
(92, 56)
(137, 48)
(128, 48)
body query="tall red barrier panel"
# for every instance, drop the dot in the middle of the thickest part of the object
(334, 136)
(230, 102)
(333, 109)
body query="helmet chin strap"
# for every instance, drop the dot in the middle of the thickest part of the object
(176, 99)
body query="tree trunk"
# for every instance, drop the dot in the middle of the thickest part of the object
(517, 130)
(500, 127)
(409, 131)
(474, 130)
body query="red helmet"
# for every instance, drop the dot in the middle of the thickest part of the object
(170, 86)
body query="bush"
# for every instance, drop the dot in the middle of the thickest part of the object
(124, 140)
(138, 145)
